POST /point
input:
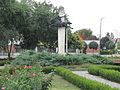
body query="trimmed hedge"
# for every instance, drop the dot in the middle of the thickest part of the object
(80, 81)
(110, 73)
(106, 52)
(111, 67)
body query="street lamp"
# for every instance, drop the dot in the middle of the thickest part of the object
(116, 41)
(100, 30)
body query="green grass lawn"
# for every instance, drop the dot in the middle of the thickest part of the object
(58, 83)
(82, 67)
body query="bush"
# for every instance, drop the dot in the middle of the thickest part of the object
(111, 67)
(47, 59)
(105, 72)
(25, 58)
(26, 78)
(3, 62)
(106, 52)
(103, 60)
(80, 81)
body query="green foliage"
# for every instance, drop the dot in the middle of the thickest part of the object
(80, 81)
(8, 30)
(47, 59)
(118, 45)
(84, 47)
(38, 24)
(74, 41)
(30, 20)
(106, 52)
(107, 72)
(104, 60)
(107, 43)
(3, 62)
(26, 78)
(93, 45)
(84, 33)
(110, 45)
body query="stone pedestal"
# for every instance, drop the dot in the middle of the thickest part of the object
(61, 40)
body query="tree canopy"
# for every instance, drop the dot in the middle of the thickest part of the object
(84, 33)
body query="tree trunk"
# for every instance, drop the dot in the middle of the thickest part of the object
(93, 51)
(50, 48)
(9, 51)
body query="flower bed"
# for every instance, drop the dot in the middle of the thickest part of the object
(25, 78)
(80, 81)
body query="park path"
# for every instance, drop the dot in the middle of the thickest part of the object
(96, 78)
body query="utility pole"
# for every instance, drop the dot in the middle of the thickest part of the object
(66, 40)
(117, 41)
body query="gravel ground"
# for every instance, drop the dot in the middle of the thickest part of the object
(96, 78)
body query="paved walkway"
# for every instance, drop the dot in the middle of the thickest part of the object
(96, 78)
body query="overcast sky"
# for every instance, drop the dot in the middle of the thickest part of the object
(87, 14)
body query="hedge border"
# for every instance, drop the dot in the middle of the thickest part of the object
(108, 72)
(82, 82)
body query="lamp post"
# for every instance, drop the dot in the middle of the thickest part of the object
(100, 30)
(117, 41)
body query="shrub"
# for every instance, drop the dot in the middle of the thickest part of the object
(105, 72)
(47, 59)
(80, 81)
(106, 52)
(3, 62)
(26, 78)
(25, 58)
(103, 60)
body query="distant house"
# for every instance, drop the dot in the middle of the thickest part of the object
(88, 50)
(90, 39)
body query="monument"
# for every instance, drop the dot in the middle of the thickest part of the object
(62, 30)
(62, 23)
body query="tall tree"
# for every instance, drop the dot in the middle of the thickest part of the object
(9, 33)
(39, 17)
(73, 41)
(84, 33)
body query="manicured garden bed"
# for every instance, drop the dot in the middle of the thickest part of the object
(80, 81)
(109, 72)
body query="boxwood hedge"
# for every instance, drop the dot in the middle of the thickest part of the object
(80, 81)
(109, 72)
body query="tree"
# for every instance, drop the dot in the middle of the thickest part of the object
(84, 33)
(8, 29)
(106, 42)
(38, 18)
(93, 45)
(84, 47)
(110, 45)
(73, 41)
(103, 41)
(92, 38)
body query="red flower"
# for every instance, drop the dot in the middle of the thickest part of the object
(29, 66)
(33, 74)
